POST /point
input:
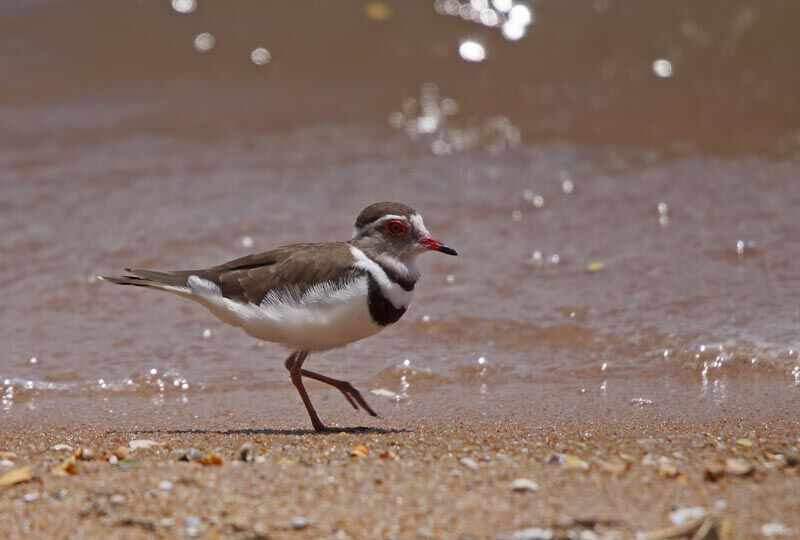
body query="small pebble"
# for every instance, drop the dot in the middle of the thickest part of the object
(31, 496)
(300, 522)
(534, 533)
(469, 463)
(62, 446)
(194, 526)
(117, 499)
(113, 459)
(682, 515)
(212, 458)
(247, 453)
(524, 484)
(84, 454)
(184, 454)
(165, 485)
(142, 443)
(772, 530)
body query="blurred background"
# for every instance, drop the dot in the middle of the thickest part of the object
(621, 179)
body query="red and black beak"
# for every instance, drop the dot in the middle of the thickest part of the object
(434, 245)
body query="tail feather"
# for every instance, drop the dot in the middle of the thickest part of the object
(149, 278)
(174, 279)
(129, 280)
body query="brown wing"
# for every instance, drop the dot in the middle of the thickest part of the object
(293, 268)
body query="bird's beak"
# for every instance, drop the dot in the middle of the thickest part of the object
(434, 245)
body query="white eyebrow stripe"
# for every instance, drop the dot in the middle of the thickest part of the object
(416, 220)
(387, 217)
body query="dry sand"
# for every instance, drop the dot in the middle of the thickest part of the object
(433, 479)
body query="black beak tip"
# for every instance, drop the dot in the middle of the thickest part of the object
(447, 250)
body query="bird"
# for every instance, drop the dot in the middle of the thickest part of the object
(313, 297)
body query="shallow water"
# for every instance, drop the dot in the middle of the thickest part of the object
(623, 234)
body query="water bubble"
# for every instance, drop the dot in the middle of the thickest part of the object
(426, 318)
(33, 360)
(440, 148)
(153, 371)
(488, 17)
(247, 242)
(538, 201)
(516, 215)
(503, 6)
(396, 120)
(662, 68)
(184, 6)
(663, 217)
(521, 14)
(467, 12)
(472, 51)
(740, 247)
(513, 31)
(260, 56)
(204, 42)
(449, 106)
(567, 186)
(450, 279)
(482, 360)
(427, 124)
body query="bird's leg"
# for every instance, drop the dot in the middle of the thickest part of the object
(350, 393)
(294, 364)
(289, 362)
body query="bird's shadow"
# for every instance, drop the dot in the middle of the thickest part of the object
(361, 430)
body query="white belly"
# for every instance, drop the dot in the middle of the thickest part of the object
(323, 318)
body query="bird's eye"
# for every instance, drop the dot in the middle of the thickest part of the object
(395, 227)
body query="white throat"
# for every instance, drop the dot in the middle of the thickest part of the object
(399, 297)
(405, 268)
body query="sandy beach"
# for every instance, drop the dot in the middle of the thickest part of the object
(614, 353)
(631, 473)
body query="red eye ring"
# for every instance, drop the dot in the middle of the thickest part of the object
(395, 227)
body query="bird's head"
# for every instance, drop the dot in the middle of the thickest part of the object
(389, 229)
